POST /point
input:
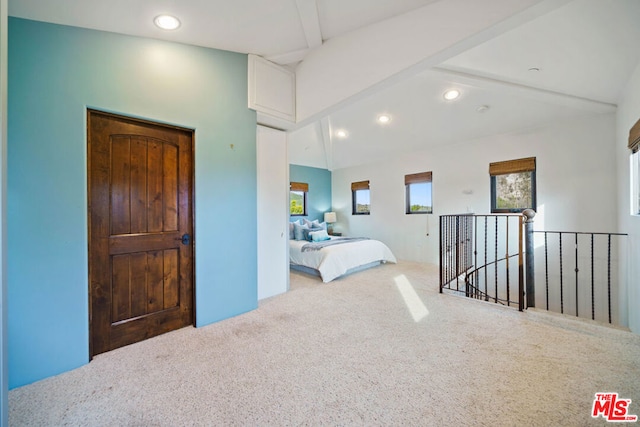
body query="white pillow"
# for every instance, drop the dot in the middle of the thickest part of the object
(319, 236)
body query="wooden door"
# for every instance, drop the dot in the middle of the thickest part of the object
(140, 230)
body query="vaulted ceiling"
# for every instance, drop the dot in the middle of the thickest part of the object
(518, 64)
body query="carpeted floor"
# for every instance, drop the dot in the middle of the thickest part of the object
(380, 347)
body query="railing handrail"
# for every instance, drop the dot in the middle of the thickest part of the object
(511, 215)
(495, 261)
(488, 297)
(581, 232)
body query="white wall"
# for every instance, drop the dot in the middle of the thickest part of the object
(576, 184)
(273, 212)
(628, 114)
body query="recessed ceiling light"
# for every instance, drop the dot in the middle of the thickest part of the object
(482, 108)
(341, 133)
(166, 22)
(534, 69)
(451, 94)
(384, 119)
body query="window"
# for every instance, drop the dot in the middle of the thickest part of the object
(298, 198)
(634, 146)
(635, 183)
(418, 190)
(361, 204)
(513, 185)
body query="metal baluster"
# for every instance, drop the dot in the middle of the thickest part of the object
(576, 242)
(457, 239)
(521, 292)
(496, 259)
(609, 276)
(561, 293)
(546, 266)
(471, 264)
(593, 305)
(449, 249)
(526, 219)
(448, 257)
(445, 236)
(464, 240)
(507, 260)
(465, 255)
(486, 277)
(475, 253)
(441, 219)
(443, 245)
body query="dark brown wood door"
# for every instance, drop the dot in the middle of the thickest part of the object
(140, 230)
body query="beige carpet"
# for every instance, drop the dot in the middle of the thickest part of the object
(351, 352)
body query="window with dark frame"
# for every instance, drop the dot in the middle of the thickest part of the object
(298, 198)
(360, 198)
(418, 198)
(634, 146)
(635, 173)
(513, 185)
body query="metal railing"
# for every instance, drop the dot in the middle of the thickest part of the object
(483, 248)
(579, 278)
(455, 249)
(492, 257)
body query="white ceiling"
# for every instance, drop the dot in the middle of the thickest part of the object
(585, 50)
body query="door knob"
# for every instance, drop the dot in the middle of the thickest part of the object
(185, 239)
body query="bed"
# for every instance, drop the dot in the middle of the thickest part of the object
(341, 256)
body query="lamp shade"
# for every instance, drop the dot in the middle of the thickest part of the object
(330, 217)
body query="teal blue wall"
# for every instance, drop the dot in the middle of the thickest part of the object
(55, 73)
(319, 196)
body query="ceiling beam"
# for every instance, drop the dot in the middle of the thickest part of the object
(543, 95)
(325, 137)
(351, 67)
(288, 57)
(308, 11)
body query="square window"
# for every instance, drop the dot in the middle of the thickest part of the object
(513, 192)
(513, 185)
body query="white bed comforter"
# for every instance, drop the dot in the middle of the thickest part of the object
(334, 261)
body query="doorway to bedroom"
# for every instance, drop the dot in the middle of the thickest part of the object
(140, 193)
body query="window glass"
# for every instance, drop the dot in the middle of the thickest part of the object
(298, 203)
(419, 198)
(635, 183)
(361, 202)
(634, 146)
(513, 192)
